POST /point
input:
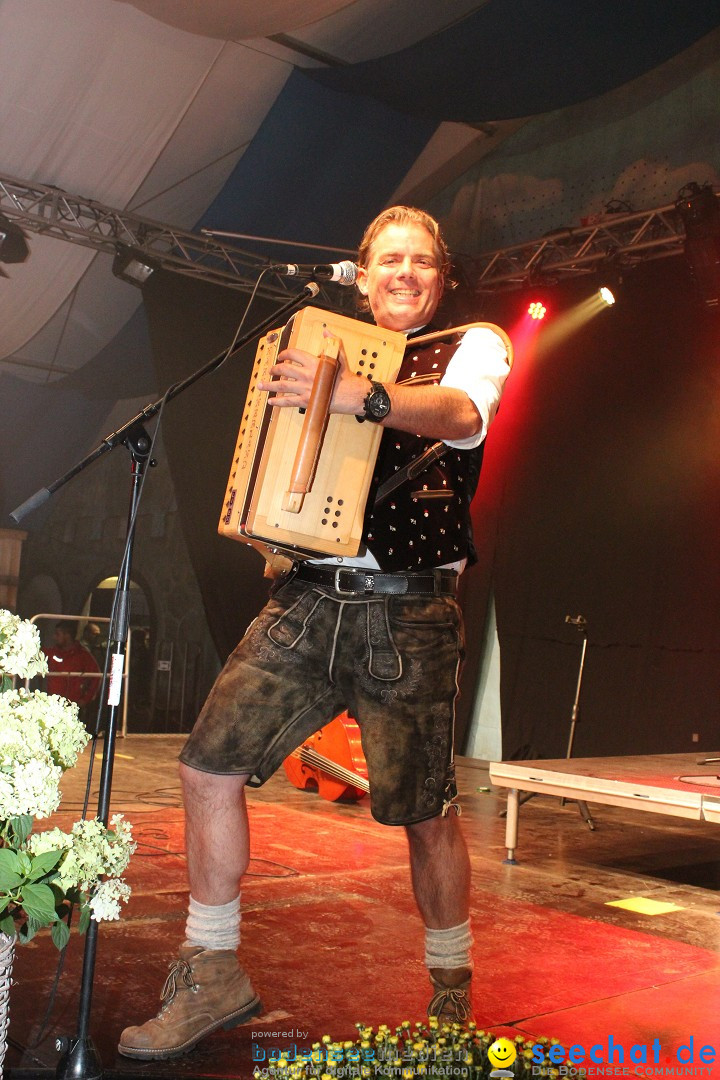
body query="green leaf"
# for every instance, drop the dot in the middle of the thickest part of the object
(28, 930)
(60, 934)
(9, 881)
(4, 901)
(9, 860)
(43, 864)
(39, 903)
(10, 871)
(24, 863)
(58, 891)
(84, 920)
(21, 827)
(7, 925)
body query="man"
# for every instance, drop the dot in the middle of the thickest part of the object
(72, 670)
(92, 640)
(383, 639)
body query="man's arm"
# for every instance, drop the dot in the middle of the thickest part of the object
(451, 413)
(434, 412)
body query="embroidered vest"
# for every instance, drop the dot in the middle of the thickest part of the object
(424, 522)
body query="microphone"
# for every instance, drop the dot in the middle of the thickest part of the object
(344, 273)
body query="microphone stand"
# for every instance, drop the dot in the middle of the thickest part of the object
(580, 623)
(80, 1060)
(79, 1057)
(117, 437)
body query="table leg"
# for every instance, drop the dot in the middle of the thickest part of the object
(511, 823)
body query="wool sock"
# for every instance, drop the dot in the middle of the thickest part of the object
(449, 948)
(213, 926)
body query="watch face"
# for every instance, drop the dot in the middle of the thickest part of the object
(377, 403)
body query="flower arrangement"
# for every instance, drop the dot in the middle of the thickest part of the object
(429, 1050)
(42, 875)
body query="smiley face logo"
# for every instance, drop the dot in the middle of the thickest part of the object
(502, 1053)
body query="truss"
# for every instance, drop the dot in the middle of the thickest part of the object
(624, 239)
(38, 208)
(627, 238)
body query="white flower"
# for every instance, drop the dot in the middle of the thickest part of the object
(50, 840)
(57, 718)
(34, 724)
(41, 737)
(33, 787)
(20, 650)
(91, 851)
(105, 901)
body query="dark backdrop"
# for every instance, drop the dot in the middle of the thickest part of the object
(599, 497)
(190, 323)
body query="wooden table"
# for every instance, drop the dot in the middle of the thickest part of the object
(672, 784)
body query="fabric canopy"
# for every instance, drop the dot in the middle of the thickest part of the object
(228, 20)
(516, 58)
(100, 99)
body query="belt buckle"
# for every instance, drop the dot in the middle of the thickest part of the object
(369, 582)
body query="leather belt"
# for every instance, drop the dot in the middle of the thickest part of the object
(355, 581)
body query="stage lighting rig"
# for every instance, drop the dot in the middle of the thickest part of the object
(13, 245)
(132, 266)
(611, 272)
(699, 212)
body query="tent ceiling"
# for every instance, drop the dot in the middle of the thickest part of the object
(527, 58)
(146, 106)
(346, 31)
(152, 106)
(230, 21)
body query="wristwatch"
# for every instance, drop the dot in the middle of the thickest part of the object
(376, 405)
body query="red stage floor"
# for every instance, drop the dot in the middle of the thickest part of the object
(331, 936)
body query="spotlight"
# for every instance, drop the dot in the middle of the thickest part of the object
(537, 310)
(132, 265)
(13, 245)
(611, 273)
(699, 212)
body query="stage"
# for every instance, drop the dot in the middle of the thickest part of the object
(331, 937)
(680, 785)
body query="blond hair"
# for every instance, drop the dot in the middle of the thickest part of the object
(406, 215)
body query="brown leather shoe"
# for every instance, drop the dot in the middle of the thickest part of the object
(205, 990)
(451, 1001)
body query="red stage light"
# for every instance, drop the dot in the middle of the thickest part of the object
(537, 310)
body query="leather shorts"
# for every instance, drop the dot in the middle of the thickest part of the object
(391, 661)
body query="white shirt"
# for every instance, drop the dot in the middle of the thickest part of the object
(479, 366)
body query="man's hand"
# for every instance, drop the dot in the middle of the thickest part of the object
(294, 375)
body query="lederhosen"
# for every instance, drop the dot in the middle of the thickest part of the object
(387, 646)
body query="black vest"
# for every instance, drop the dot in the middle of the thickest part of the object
(425, 522)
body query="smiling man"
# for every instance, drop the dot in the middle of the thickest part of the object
(381, 637)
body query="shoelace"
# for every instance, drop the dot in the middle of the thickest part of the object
(459, 1001)
(181, 971)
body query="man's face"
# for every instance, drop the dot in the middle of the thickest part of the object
(62, 638)
(402, 279)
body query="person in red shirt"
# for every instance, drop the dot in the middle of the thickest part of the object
(77, 672)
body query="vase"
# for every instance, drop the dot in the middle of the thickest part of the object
(7, 955)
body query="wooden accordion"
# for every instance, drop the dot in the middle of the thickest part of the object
(299, 481)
